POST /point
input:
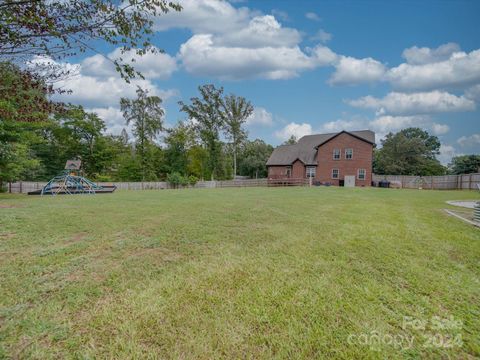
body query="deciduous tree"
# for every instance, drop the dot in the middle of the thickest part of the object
(146, 114)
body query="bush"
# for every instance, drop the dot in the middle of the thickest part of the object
(175, 179)
(192, 180)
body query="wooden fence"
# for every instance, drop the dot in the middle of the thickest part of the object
(445, 182)
(24, 187)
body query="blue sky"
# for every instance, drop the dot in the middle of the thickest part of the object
(312, 66)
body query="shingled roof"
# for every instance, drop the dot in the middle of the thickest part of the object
(306, 147)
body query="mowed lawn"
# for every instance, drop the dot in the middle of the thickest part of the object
(239, 273)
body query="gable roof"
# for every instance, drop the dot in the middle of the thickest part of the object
(306, 147)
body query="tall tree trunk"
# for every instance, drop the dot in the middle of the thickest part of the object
(234, 162)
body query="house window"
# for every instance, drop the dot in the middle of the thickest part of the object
(288, 171)
(336, 154)
(361, 174)
(335, 173)
(311, 171)
(348, 154)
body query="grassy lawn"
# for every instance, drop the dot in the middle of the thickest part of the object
(239, 273)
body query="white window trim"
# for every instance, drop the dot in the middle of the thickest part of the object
(346, 158)
(338, 174)
(364, 174)
(339, 154)
(314, 171)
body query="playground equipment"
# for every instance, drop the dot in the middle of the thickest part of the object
(71, 182)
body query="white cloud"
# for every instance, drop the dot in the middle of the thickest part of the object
(297, 130)
(473, 93)
(424, 55)
(340, 124)
(447, 152)
(261, 117)
(440, 129)
(151, 65)
(113, 118)
(312, 16)
(201, 56)
(205, 16)
(415, 103)
(322, 36)
(261, 31)
(469, 141)
(458, 71)
(239, 43)
(350, 70)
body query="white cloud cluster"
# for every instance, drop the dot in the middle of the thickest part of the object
(469, 141)
(349, 70)
(460, 70)
(260, 117)
(415, 103)
(312, 16)
(424, 55)
(297, 130)
(238, 43)
(96, 85)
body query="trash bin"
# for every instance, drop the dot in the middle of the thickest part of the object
(384, 184)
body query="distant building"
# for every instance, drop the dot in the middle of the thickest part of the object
(343, 158)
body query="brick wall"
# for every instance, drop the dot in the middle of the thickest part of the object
(362, 159)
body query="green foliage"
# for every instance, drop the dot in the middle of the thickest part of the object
(291, 141)
(235, 112)
(465, 164)
(411, 151)
(192, 180)
(58, 29)
(253, 157)
(24, 96)
(206, 112)
(146, 114)
(175, 179)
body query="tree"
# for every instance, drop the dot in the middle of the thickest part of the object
(58, 29)
(146, 114)
(235, 112)
(205, 113)
(291, 141)
(465, 164)
(179, 140)
(411, 151)
(253, 158)
(16, 159)
(24, 96)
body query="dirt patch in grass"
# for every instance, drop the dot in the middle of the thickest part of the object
(157, 254)
(9, 206)
(77, 237)
(7, 236)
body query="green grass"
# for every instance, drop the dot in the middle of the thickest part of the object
(237, 273)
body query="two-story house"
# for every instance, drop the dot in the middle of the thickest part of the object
(343, 158)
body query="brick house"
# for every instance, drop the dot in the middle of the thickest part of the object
(343, 158)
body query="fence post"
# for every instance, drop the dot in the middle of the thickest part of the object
(9, 187)
(470, 182)
(21, 187)
(310, 181)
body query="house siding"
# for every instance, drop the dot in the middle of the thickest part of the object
(362, 159)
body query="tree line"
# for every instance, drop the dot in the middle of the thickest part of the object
(38, 135)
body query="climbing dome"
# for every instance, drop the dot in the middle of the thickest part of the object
(72, 182)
